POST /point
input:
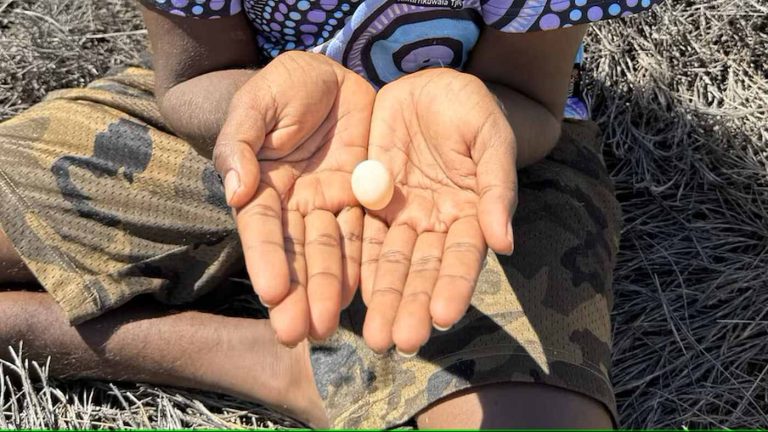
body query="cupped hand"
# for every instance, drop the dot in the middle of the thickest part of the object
(451, 151)
(293, 135)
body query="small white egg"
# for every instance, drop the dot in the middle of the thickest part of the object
(372, 184)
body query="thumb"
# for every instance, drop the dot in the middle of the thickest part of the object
(236, 163)
(497, 187)
(242, 136)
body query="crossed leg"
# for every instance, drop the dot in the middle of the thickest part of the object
(12, 269)
(241, 357)
(516, 405)
(141, 342)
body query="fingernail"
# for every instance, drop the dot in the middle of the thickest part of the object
(510, 236)
(287, 345)
(231, 185)
(406, 355)
(262, 302)
(442, 329)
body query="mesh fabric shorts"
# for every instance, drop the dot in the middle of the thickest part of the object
(104, 204)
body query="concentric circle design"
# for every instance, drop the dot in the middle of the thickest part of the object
(342, 27)
(383, 40)
(425, 40)
(388, 39)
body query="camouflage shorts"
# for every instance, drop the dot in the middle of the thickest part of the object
(104, 203)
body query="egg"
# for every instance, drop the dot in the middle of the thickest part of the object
(372, 184)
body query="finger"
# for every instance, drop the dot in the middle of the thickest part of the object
(242, 135)
(261, 233)
(351, 226)
(497, 185)
(413, 323)
(463, 257)
(391, 273)
(374, 233)
(324, 268)
(389, 137)
(290, 318)
(237, 165)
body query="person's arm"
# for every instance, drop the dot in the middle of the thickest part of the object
(199, 66)
(276, 136)
(453, 151)
(529, 73)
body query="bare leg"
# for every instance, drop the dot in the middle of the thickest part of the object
(12, 269)
(141, 342)
(516, 405)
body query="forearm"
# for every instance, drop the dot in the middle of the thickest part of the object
(197, 108)
(530, 74)
(536, 128)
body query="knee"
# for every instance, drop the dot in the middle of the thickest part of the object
(12, 315)
(516, 405)
(12, 268)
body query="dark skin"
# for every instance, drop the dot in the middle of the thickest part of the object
(208, 88)
(304, 105)
(209, 61)
(197, 74)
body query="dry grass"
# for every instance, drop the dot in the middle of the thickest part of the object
(45, 45)
(682, 96)
(683, 100)
(33, 402)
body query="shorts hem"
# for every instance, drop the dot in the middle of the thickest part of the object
(598, 388)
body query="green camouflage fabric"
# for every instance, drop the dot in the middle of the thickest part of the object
(104, 203)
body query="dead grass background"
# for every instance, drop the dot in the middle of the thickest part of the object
(682, 97)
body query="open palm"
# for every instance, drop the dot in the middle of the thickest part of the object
(452, 154)
(293, 135)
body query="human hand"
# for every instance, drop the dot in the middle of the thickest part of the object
(451, 151)
(293, 135)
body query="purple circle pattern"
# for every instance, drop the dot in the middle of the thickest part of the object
(595, 13)
(549, 22)
(209, 9)
(554, 14)
(284, 25)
